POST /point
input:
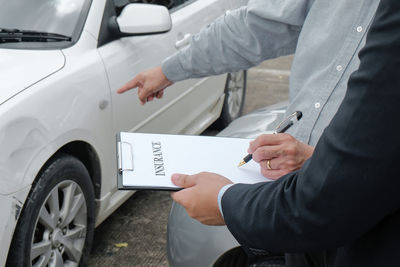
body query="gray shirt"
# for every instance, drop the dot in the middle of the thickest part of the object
(325, 35)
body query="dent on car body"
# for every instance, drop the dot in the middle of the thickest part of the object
(20, 140)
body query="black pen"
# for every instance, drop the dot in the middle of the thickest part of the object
(281, 128)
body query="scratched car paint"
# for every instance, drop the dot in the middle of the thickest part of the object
(61, 64)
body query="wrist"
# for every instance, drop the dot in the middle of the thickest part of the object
(164, 78)
(220, 195)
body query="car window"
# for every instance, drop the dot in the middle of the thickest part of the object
(179, 2)
(49, 16)
(167, 3)
(62, 17)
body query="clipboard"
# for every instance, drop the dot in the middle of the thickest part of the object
(125, 165)
(147, 161)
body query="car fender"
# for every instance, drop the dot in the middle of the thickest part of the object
(44, 153)
(26, 146)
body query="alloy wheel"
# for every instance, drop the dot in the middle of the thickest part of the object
(60, 229)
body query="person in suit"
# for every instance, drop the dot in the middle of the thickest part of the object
(342, 208)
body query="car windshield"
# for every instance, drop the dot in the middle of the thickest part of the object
(50, 16)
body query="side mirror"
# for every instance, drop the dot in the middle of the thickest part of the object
(144, 19)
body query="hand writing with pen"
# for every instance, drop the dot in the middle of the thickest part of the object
(279, 154)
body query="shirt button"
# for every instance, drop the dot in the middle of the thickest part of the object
(339, 68)
(359, 29)
(317, 105)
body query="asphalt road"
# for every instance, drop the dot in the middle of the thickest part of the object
(140, 224)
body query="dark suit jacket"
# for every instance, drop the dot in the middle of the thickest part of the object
(346, 198)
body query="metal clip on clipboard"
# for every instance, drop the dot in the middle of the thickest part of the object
(124, 153)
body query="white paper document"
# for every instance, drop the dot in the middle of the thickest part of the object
(147, 161)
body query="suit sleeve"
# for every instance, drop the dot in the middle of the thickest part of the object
(240, 39)
(351, 183)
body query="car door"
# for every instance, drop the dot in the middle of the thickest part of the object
(185, 101)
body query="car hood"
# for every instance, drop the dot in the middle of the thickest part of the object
(20, 69)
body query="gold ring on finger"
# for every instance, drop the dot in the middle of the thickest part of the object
(269, 164)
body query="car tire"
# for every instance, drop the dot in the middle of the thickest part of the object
(235, 92)
(56, 224)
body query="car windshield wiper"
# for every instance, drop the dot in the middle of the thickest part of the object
(16, 35)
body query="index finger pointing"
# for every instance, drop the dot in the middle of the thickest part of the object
(129, 85)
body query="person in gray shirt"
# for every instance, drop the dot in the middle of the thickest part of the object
(325, 36)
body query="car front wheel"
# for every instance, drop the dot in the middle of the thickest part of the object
(57, 221)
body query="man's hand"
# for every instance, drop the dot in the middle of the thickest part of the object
(151, 83)
(279, 154)
(200, 196)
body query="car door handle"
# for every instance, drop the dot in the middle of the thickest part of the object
(184, 41)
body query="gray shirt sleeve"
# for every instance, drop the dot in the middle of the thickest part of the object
(240, 39)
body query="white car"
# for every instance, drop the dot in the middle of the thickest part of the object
(61, 63)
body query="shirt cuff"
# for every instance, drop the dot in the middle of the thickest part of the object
(173, 69)
(220, 195)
